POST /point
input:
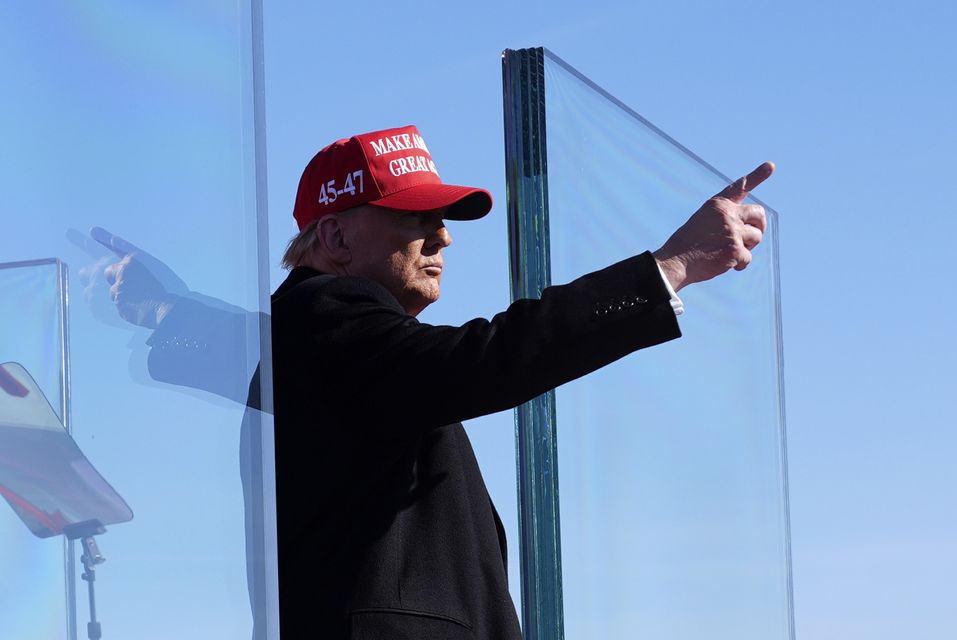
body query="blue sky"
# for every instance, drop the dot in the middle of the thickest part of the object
(854, 102)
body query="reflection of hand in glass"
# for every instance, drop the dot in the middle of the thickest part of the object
(143, 288)
(197, 341)
(126, 280)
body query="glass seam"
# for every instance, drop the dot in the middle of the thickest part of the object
(69, 549)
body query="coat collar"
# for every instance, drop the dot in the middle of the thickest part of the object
(295, 277)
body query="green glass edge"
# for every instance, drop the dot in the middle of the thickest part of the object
(536, 442)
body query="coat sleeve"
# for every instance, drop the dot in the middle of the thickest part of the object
(203, 343)
(348, 338)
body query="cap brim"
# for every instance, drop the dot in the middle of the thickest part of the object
(464, 203)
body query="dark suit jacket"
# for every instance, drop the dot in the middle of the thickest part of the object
(385, 526)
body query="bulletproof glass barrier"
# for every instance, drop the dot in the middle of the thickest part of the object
(136, 454)
(653, 492)
(33, 334)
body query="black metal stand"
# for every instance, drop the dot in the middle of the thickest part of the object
(85, 532)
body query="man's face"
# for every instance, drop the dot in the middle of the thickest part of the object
(400, 250)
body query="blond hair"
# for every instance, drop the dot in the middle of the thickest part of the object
(300, 246)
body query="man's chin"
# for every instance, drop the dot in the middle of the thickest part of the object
(422, 298)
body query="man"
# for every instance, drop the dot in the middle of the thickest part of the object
(386, 529)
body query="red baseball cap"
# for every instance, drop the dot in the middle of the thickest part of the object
(391, 168)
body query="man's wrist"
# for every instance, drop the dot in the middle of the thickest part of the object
(673, 269)
(163, 308)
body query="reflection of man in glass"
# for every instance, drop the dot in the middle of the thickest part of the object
(386, 529)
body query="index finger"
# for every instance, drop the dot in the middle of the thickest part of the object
(85, 243)
(738, 190)
(114, 243)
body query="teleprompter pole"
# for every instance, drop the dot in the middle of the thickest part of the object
(85, 532)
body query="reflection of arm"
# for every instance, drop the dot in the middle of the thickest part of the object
(348, 338)
(204, 346)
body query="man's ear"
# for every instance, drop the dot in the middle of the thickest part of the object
(332, 239)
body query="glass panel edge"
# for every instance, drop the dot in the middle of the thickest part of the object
(536, 441)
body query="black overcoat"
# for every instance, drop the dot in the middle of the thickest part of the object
(385, 527)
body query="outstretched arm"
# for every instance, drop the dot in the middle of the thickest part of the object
(348, 339)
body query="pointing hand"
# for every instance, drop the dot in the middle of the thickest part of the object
(718, 236)
(142, 288)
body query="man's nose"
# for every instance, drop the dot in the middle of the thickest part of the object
(442, 237)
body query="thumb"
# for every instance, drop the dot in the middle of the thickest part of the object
(738, 190)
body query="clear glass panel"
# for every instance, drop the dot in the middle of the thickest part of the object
(30, 340)
(672, 470)
(44, 477)
(132, 159)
